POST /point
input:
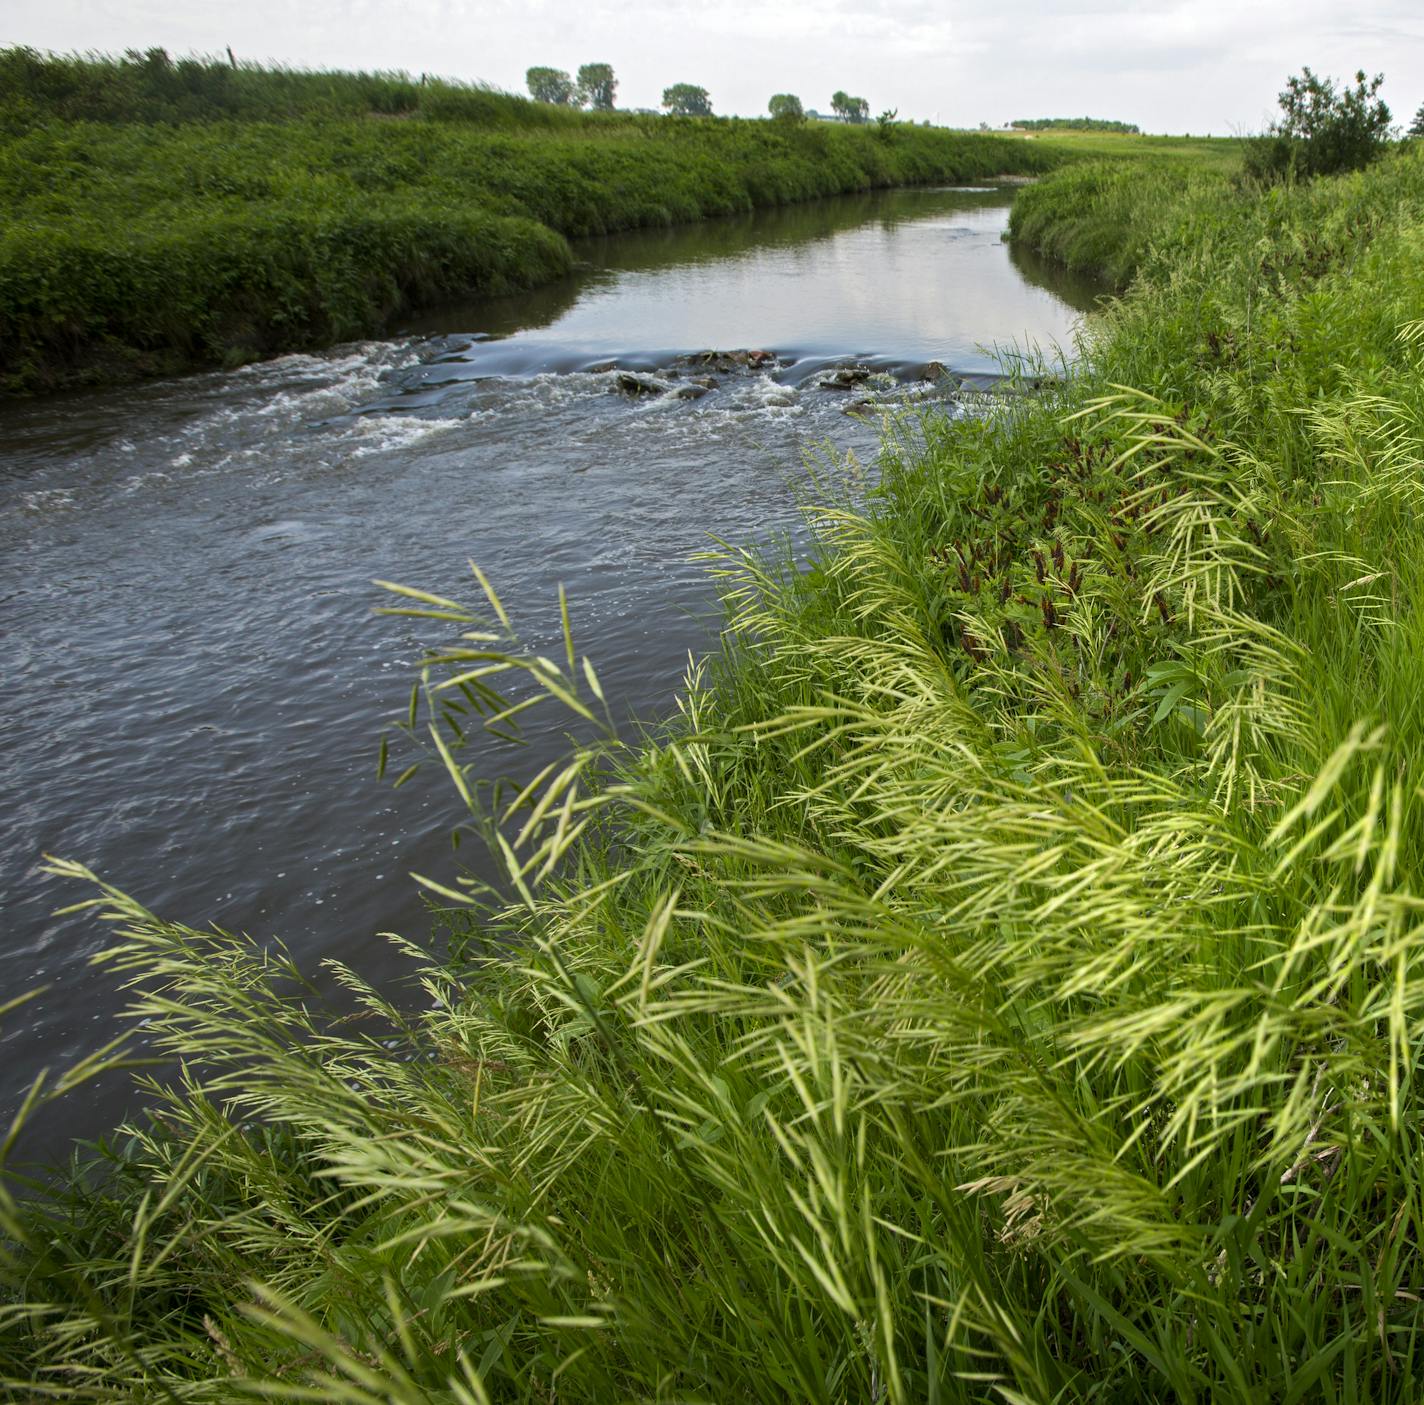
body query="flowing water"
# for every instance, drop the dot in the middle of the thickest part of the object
(194, 682)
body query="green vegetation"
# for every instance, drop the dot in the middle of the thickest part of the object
(1103, 217)
(1074, 124)
(848, 108)
(552, 85)
(152, 87)
(1002, 982)
(1221, 152)
(597, 87)
(786, 107)
(687, 100)
(255, 211)
(1322, 131)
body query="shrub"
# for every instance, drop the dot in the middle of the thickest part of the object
(1322, 130)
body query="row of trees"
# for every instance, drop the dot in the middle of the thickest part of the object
(848, 108)
(1073, 124)
(595, 87)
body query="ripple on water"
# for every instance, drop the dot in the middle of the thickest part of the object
(195, 681)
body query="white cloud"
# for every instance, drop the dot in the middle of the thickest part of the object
(1209, 65)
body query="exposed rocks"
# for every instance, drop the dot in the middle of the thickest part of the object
(726, 362)
(634, 385)
(845, 378)
(937, 373)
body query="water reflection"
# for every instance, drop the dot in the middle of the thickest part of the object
(907, 275)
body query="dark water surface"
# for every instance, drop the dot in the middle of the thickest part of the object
(194, 683)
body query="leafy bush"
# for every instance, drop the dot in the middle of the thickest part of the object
(1322, 130)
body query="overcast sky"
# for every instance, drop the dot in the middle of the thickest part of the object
(1203, 66)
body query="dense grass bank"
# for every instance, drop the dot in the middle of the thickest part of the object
(209, 233)
(153, 87)
(1004, 982)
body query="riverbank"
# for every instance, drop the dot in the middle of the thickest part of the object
(1004, 976)
(212, 234)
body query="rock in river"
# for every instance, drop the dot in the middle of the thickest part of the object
(633, 385)
(845, 377)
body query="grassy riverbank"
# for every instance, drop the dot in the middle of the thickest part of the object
(1103, 217)
(1003, 982)
(236, 213)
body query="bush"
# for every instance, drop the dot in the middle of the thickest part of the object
(1322, 130)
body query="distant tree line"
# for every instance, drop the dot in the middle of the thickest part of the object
(1076, 124)
(595, 87)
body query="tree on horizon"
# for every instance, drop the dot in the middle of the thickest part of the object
(687, 100)
(550, 85)
(597, 86)
(849, 109)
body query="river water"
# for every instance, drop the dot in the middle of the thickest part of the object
(194, 682)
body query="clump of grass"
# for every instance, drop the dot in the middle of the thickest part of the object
(1001, 982)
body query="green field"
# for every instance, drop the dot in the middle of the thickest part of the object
(159, 217)
(1219, 152)
(1002, 981)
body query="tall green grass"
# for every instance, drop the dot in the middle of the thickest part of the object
(302, 212)
(153, 87)
(1002, 982)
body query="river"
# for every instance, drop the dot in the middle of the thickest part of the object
(195, 682)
